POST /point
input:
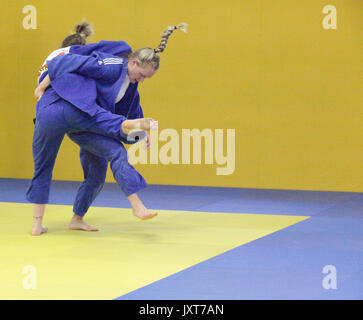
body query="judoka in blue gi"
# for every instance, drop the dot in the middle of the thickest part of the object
(94, 99)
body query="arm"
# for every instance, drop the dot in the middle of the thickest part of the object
(137, 113)
(132, 102)
(41, 87)
(135, 110)
(117, 48)
(90, 66)
(97, 66)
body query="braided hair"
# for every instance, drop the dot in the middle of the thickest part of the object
(169, 30)
(82, 32)
(148, 55)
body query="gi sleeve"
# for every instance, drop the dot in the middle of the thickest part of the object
(135, 111)
(117, 48)
(97, 66)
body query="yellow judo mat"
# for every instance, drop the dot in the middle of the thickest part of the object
(124, 255)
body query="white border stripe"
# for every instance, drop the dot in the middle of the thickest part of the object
(112, 59)
(112, 63)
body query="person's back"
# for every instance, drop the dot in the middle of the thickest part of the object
(79, 38)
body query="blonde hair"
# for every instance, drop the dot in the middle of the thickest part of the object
(148, 55)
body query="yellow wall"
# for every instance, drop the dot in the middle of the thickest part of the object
(266, 68)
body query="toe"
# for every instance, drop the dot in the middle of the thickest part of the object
(152, 215)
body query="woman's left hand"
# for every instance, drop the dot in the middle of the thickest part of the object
(147, 141)
(38, 92)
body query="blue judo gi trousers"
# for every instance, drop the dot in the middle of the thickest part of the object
(99, 138)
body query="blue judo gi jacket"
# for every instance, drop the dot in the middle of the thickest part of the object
(90, 79)
(116, 48)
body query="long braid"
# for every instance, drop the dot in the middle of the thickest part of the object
(148, 55)
(169, 30)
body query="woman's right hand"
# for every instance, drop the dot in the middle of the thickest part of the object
(149, 124)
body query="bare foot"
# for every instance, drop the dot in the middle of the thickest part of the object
(143, 213)
(38, 230)
(77, 223)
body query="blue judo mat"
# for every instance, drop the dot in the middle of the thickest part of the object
(288, 264)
